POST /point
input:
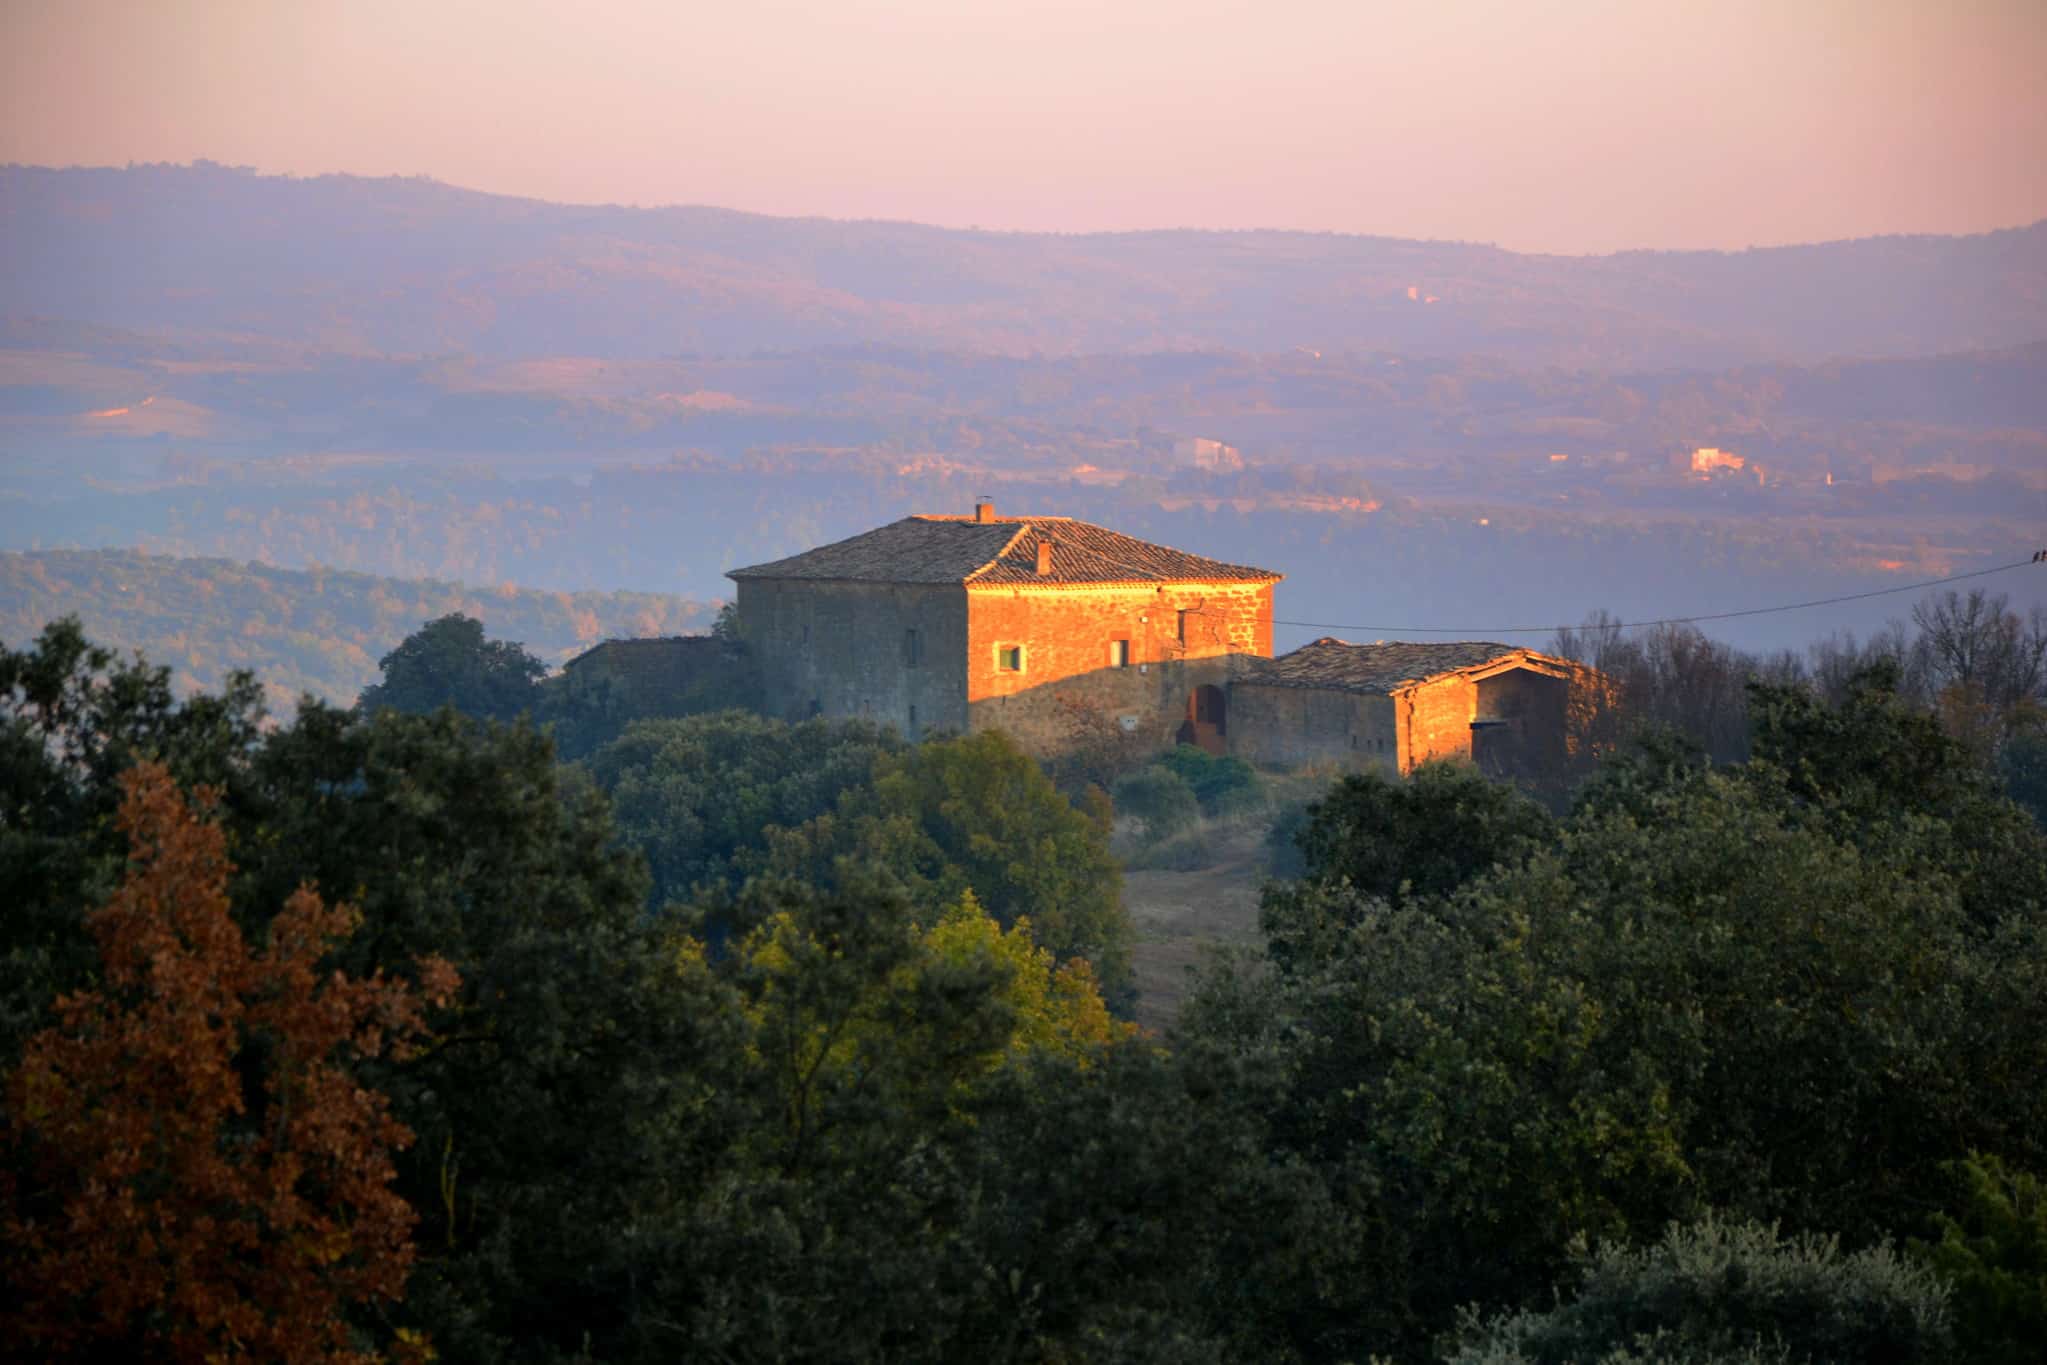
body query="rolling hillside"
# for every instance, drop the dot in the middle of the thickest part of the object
(320, 632)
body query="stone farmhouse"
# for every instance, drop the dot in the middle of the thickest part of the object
(1019, 623)
(1396, 705)
(1036, 625)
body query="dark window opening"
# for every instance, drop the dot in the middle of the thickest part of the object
(1119, 654)
(1009, 658)
(1180, 626)
(913, 648)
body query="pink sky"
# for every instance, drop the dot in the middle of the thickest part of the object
(1548, 125)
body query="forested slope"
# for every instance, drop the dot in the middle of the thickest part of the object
(319, 631)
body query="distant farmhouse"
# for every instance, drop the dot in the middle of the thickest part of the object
(1018, 623)
(1025, 624)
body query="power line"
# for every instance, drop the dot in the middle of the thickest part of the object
(1666, 620)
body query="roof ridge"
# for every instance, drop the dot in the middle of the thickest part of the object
(1021, 529)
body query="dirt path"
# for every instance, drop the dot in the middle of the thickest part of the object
(1177, 913)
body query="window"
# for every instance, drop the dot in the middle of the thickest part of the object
(1009, 658)
(1180, 626)
(1119, 654)
(913, 648)
(913, 722)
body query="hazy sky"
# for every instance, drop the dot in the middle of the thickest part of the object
(1558, 125)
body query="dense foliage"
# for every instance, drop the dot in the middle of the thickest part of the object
(840, 1080)
(1790, 989)
(714, 799)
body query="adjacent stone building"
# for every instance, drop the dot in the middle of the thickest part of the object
(646, 673)
(1394, 706)
(1034, 625)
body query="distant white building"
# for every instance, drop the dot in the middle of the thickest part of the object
(1202, 453)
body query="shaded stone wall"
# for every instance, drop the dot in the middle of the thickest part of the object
(842, 649)
(1521, 720)
(1069, 637)
(648, 674)
(1295, 726)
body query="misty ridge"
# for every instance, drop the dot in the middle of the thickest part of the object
(412, 266)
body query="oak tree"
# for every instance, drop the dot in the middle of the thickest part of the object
(205, 1178)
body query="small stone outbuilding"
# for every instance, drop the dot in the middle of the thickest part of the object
(1397, 705)
(983, 621)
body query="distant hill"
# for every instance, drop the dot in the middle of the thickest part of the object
(415, 267)
(317, 631)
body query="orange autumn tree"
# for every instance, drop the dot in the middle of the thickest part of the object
(191, 1172)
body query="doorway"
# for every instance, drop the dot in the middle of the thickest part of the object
(1207, 725)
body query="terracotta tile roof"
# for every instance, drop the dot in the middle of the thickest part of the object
(1339, 664)
(948, 549)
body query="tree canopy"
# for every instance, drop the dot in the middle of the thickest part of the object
(448, 662)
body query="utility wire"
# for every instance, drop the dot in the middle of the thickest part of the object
(1666, 620)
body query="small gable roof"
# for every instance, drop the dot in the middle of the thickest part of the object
(960, 549)
(1389, 667)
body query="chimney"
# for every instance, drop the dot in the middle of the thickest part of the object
(984, 510)
(1044, 557)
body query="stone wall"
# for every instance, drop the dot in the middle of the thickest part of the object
(1290, 727)
(1174, 638)
(1520, 726)
(844, 650)
(1519, 714)
(649, 674)
(1434, 720)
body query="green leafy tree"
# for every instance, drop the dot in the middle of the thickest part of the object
(698, 796)
(956, 1155)
(1379, 840)
(1992, 1248)
(1873, 761)
(448, 662)
(975, 813)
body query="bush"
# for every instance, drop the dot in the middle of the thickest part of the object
(1188, 850)
(1160, 799)
(1221, 785)
(1716, 1293)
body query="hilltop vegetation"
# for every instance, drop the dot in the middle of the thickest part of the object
(318, 632)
